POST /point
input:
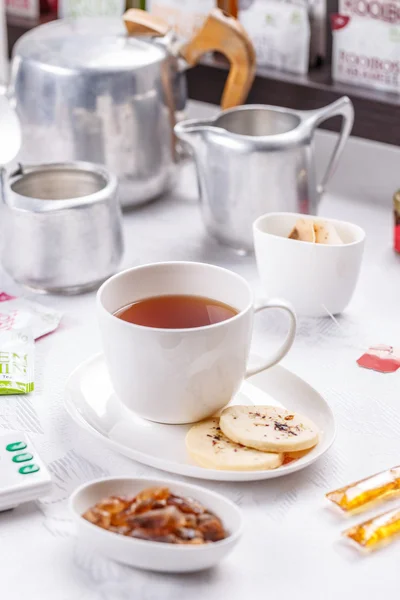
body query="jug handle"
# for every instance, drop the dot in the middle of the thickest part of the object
(342, 107)
(223, 33)
(139, 22)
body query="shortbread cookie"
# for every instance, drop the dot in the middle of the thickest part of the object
(268, 428)
(210, 448)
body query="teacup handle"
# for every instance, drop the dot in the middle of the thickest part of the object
(287, 344)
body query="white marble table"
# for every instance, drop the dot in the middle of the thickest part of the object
(291, 547)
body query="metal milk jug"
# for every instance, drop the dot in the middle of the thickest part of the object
(257, 159)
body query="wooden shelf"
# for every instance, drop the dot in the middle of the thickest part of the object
(377, 113)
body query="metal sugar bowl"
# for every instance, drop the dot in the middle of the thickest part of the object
(61, 226)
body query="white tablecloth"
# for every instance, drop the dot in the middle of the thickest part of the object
(291, 547)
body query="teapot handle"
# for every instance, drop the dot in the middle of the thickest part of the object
(140, 22)
(223, 33)
(220, 33)
(344, 108)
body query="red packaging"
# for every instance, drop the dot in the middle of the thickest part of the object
(384, 359)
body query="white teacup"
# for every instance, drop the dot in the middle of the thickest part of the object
(314, 278)
(180, 375)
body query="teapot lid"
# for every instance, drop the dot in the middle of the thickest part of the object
(90, 43)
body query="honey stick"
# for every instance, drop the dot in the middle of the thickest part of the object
(357, 495)
(377, 532)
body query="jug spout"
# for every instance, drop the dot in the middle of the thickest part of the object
(192, 131)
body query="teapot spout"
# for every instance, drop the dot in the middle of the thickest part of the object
(191, 132)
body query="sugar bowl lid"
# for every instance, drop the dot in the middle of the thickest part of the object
(88, 43)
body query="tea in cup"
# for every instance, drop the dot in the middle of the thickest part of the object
(176, 338)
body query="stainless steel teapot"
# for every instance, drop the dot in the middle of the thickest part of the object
(257, 159)
(86, 91)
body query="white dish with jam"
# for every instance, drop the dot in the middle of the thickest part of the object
(151, 555)
(91, 402)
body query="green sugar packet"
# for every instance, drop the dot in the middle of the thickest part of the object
(16, 361)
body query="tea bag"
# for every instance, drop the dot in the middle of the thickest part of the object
(16, 361)
(24, 314)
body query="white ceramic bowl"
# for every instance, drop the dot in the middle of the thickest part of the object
(310, 276)
(154, 556)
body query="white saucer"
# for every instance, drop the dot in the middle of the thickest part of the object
(91, 402)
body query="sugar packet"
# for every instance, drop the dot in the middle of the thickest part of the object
(16, 361)
(19, 313)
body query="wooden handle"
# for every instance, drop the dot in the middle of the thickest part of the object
(223, 33)
(140, 22)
